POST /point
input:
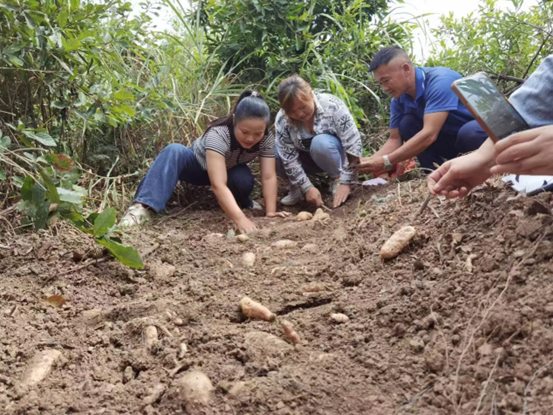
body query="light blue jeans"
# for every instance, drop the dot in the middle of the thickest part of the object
(178, 162)
(326, 154)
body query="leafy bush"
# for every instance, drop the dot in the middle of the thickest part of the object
(506, 43)
(328, 42)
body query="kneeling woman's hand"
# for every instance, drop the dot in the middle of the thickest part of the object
(246, 225)
(314, 197)
(282, 214)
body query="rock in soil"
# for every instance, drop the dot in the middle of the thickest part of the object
(195, 387)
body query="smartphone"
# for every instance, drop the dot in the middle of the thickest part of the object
(491, 109)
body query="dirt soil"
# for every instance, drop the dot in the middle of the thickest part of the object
(459, 323)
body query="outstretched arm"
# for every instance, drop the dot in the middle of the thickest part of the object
(432, 125)
(217, 171)
(398, 152)
(456, 177)
(269, 185)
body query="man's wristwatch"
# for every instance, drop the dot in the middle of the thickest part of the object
(388, 166)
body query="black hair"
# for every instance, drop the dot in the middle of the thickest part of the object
(385, 55)
(250, 104)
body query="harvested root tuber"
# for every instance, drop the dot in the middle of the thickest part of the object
(213, 237)
(303, 216)
(150, 338)
(321, 216)
(339, 318)
(284, 243)
(253, 309)
(397, 242)
(310, 248)
(39, 367)
(183, 349)
(248, 259)
(289, 333)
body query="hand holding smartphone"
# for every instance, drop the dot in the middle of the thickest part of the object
(491, 109)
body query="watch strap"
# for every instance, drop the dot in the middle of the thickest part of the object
(388, 166)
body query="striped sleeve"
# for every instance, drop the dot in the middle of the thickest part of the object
(267, 146)
(217, 139)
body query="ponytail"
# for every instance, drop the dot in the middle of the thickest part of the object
(250, 104)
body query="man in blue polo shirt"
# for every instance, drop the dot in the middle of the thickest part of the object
(427, 119)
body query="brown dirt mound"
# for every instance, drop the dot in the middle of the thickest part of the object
(460, 322)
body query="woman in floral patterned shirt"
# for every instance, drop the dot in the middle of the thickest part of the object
(315, 132)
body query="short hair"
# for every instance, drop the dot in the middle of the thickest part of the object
(290, 88)
(385, 55)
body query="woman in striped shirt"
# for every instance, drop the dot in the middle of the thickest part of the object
(218, 158)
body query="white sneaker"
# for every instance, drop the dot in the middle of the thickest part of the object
(256, 206)
(293, 197)
(136, 214)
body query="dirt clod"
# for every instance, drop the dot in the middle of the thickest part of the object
(195, 387)
(248, 259)
(242, 237)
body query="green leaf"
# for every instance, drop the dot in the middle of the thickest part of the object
(2, 175)
(124, 109)
(51, 191)
(74, 4)
(34, 203)
(62, 17)
(103, 222)
(63, 64)
(41, 136)
(70, 196)
(27, 188)
(15, 61)
(4, 142)
(71, 44)
(124, 95)
(125, 254)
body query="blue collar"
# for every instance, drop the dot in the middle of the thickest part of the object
(420, 77)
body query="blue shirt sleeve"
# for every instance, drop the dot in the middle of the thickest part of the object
(438, 94)
(395, 113)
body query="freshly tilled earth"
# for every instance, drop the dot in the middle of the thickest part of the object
(460, 322)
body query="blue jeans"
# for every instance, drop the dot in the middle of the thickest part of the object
(468, 138)
(177, 162)
(325, 154)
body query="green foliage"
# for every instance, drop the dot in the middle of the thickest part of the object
(101, 230)
(52, 192)
(87, 79)
(70, 70)
(501, 42)
(328, 42)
